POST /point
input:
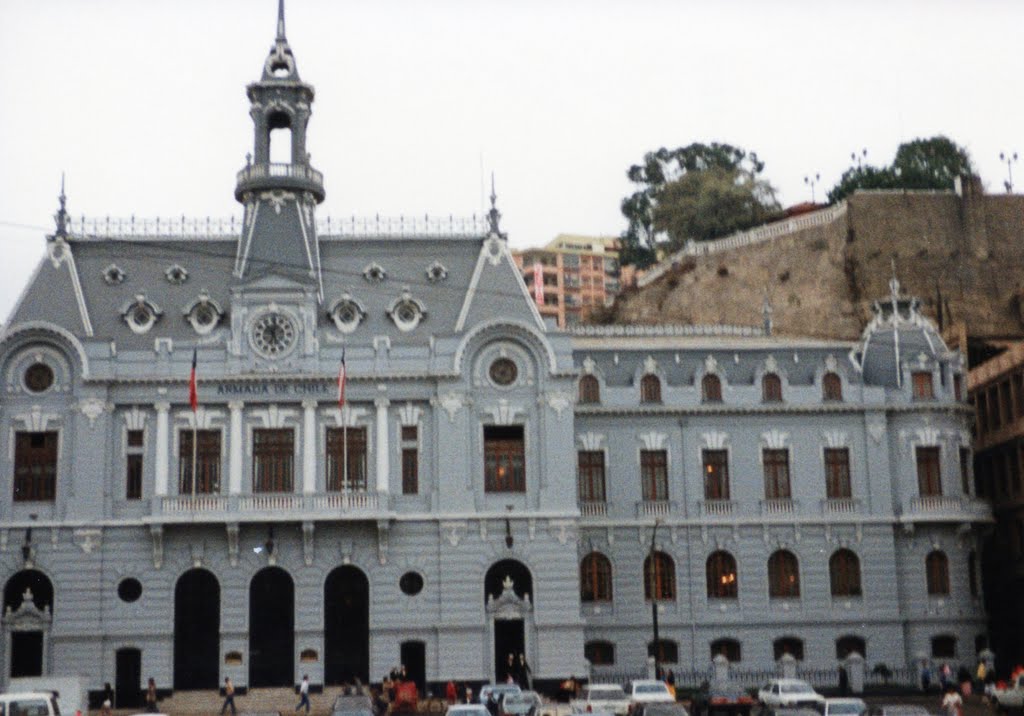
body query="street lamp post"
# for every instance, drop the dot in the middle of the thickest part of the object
(812, 181)
(1010, 158)
(654, 598)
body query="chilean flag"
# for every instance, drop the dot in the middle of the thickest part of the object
(342, 377)
(193, 392)
(538, 283)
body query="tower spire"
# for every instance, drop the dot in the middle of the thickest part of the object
(494, 216)
(61, 217)
(280, 20)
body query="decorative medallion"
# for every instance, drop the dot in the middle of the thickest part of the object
(140, 314)
(273, 335)
(347, 314)
(436, 272)
(113, 275)
(503, 371)
(176, 275)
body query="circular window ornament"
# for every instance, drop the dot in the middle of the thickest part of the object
(503, 371)
(113, 275)
(176, 275)
(347, 314)
(38, 378)
(406, 312)
(140, 314)
(129, 590)
(273, 335)
(411, 583)
(203, 314)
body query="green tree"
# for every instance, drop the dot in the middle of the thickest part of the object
(669, 175)
(932, 163)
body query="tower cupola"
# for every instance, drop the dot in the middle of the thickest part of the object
(278, 187)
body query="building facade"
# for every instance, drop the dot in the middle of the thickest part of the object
(996, 389)
(489, 485)
(572, 276)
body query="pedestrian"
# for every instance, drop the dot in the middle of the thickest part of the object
(963, 677)
(450, 694)
(467, 697)
(525, 673)
(151, 696)
(108, 693)
(926, 677)
(952, 704)
(105, 709)
(229, 697)
(844, 681)
(945, 675)
(511, 669)
(304, 693)
(979, 675)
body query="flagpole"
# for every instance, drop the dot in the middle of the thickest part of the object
(342, 380)
(194, 400)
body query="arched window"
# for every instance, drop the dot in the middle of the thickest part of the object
(783, 575)
(599, 653)
(711, 388)
(831, 387)
(771, 388)
(944, 646)
(667, 651)
(845, 645)
(729, 648)
(721, 571)
(650, 389)
(590, 390)
(937, 569)
(595, 578)
(788, 645)
(661, 576)
(844, 572)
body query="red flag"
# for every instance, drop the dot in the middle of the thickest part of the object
(193, 392)
(342, 377)
(538, 283)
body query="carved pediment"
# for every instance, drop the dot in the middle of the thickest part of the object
(27, 617)
(508, 605)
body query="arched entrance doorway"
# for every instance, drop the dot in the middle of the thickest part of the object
(271, 628)
(27, 616)
(197, 631)
(508, 594)
(346, 626)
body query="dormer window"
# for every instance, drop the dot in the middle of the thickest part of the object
(436, 272)
(923, 388)
(406, 312)
(831, 387)
(711, 388)
(347, 314)
(203, 314)
(113, 275)
(771, 388)
(590, 390)
(176, 275)
(375, 273)
(141, 314)
(650, 389)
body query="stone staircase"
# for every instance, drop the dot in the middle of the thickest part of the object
(282, 699)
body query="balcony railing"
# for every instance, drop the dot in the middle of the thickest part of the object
(840, 506)
(717, 508)
(593, 509)
(325, 504)
(655, 508)
(286, 171)
(954, 507)
(776, 507)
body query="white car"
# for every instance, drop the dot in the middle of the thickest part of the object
(467, 710)
(789, 692)
(601, 697)
(845, 707)
(650, 691)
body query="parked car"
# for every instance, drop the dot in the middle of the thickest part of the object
(352, 706)
(790, 711)
(845, 707)
(525, 703)
(647, 691)
(601, 697)
(659, 708)
(789, 692)
(1012, 697)
(898, 710)
(467, 710)
(499, 690)
(722, 698)
(29, 703)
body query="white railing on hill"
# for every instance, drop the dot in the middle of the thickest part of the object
(627, 330)
(744, 238)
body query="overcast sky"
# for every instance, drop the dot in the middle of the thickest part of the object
(143, 103)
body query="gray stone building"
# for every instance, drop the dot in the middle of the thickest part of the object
(491, 485)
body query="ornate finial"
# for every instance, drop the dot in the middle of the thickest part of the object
(506, 583)
(61, 217)
(494, 216)
(280, 20)
(766, 312)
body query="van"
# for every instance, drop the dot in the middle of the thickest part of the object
(29, 703)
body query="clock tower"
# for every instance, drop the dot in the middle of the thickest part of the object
(278, 187)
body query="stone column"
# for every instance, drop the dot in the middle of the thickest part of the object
(855, 672)
(309, 446)
(163, 448)
(383, 468)
(235, 452)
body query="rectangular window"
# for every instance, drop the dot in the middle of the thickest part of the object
(504, 459)
(776, 474)
(133, 466)
(922, 385)
(273, 460)
(965, 470)
(346, 459)
(929, 477)
(654, 474)
(716, 475)
(591, 475)
(35, 466)
(410, 460)
(837, 473)
(207, 462)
